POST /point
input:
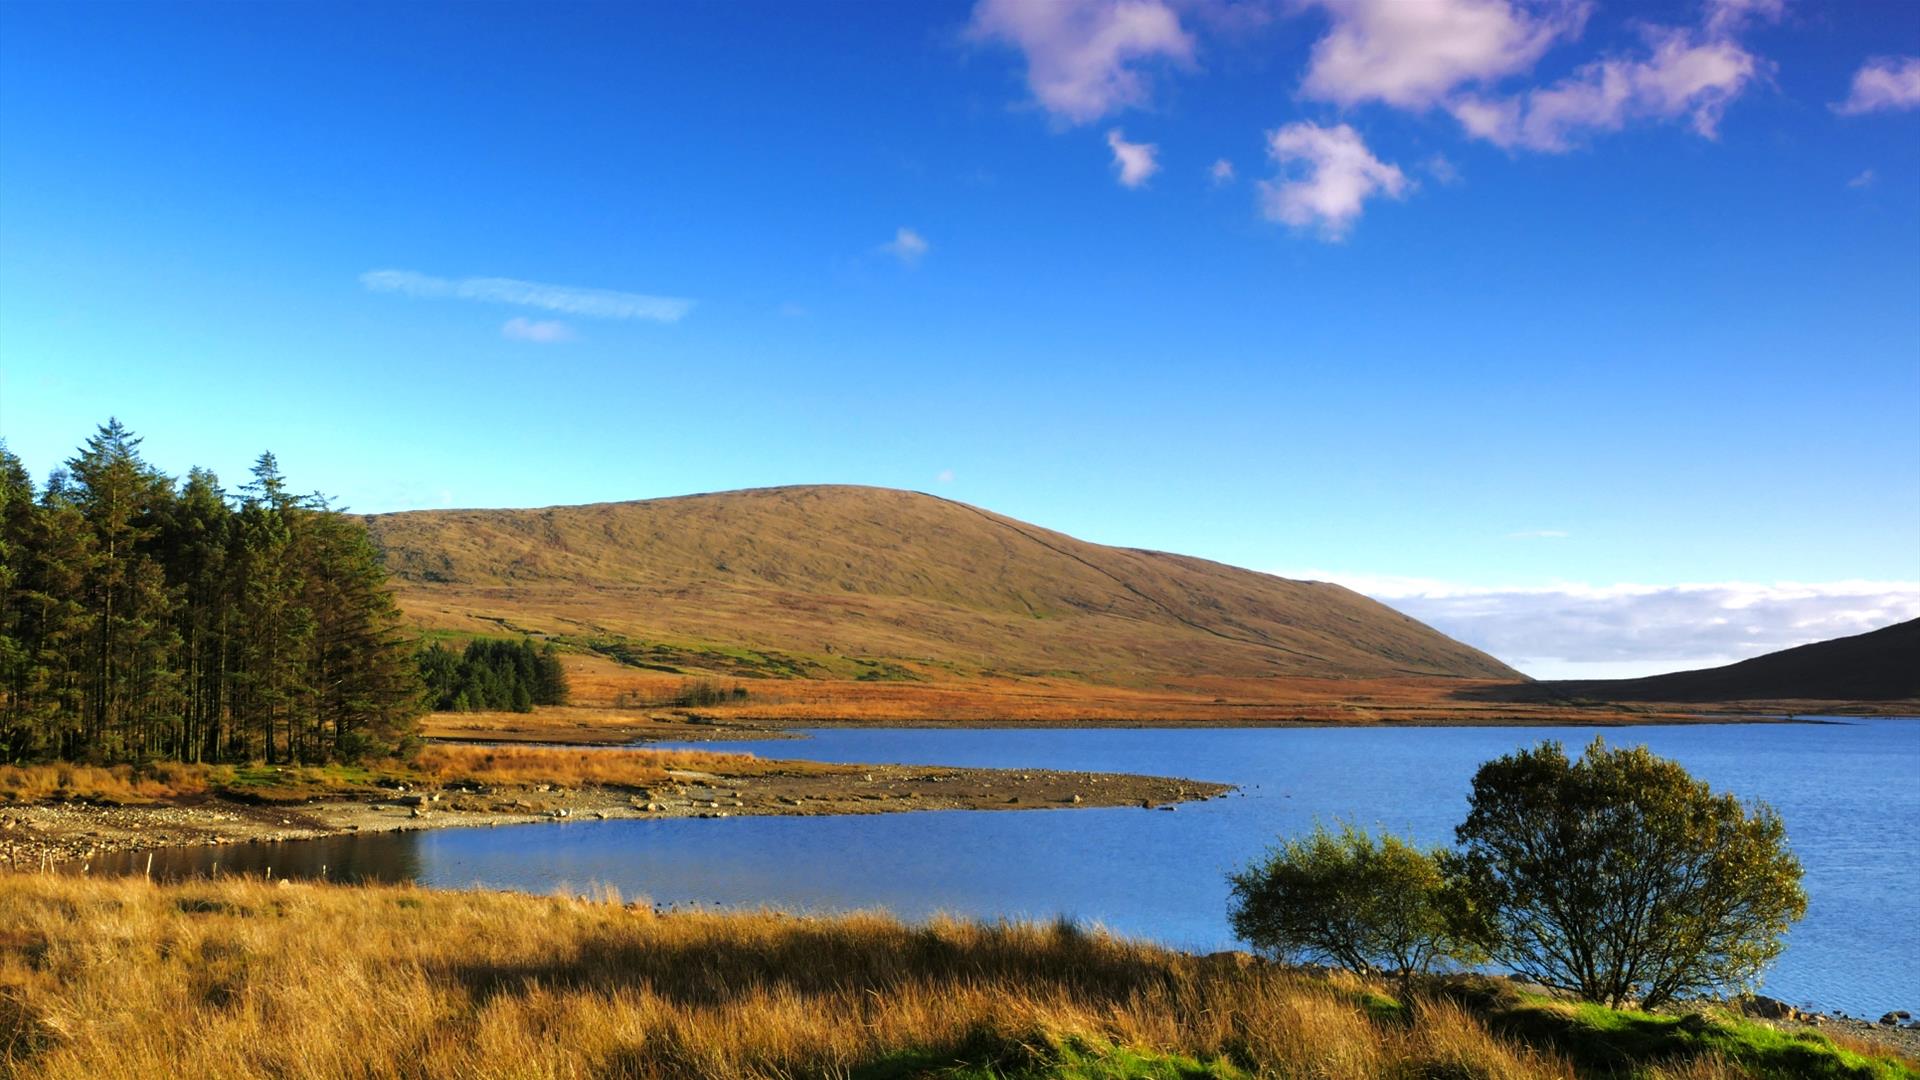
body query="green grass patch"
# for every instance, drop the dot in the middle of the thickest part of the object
(259, 783)
(1625, 1042)
(689, 657)
(1385, 1010)
(885, 671)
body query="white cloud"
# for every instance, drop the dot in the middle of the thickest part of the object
(945, 477)
(1629, 630)
(1865, 179)
(1442, 169)
(541, 331)
(1326, 177)
(1084, 56)
(907, 245)
(1885, 82)
(1732, 16)
(1685, 73)
(1413, 53)
(567, 299)
(1221, 172)
(1134, 161)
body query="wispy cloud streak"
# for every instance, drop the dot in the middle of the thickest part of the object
(567, 299)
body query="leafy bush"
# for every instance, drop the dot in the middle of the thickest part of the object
(1619, 877)
(1346, 898)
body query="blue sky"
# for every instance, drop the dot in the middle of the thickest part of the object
(1570, 327)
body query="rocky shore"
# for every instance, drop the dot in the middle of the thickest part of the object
(1896, 1028)
(46, 835)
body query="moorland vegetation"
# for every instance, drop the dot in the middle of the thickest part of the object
(126, 979)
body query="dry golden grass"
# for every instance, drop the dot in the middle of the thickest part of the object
(106, 979)
(121, 978)
(436, 764)
(120, 783)
(608, 768)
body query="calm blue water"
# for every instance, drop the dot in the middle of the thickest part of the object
(1846, 790)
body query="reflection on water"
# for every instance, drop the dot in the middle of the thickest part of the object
(1846, 792)
(375, 857)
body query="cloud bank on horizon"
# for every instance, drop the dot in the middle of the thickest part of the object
(1472, 61)
(1576, 631)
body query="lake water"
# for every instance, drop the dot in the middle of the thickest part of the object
(1847, 791)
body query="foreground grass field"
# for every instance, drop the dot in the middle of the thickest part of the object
(123, 978)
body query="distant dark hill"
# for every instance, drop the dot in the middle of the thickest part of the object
(1883, 665)
(854, 582)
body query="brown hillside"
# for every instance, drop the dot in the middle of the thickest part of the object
(877, 584)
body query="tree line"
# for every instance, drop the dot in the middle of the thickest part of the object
(145, 617)
(493, 675)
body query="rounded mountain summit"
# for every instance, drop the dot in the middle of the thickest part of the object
(861, 582)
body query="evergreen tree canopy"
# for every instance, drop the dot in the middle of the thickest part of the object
(493, 676)
(140, 618)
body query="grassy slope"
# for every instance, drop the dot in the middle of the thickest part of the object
(108, 979)
(811, 580)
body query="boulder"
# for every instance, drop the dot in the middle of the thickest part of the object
(1766, 1008)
